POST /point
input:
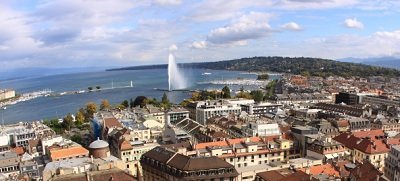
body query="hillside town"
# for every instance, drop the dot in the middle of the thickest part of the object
(301, 128)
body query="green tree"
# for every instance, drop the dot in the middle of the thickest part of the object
(165, 101)
(226, 92)
(105, 105)
(140, 101)
(257, 95)
(77, 138)
(68, 122)
(91, 108)
(125, 103)
(263, 77)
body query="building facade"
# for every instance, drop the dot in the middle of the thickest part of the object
(164, 165)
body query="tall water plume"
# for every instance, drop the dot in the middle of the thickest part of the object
(175, 77)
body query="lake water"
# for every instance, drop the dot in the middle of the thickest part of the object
(144, 83)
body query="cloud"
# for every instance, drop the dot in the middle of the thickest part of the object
(353, 23)
(250, 26)
(292, 26)
(173, 47)
(313, 4)
(168, 2)
(199, 45)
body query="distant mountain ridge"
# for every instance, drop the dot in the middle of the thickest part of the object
(296, 65)
(389, 62)
(22, 73)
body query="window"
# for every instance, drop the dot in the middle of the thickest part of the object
(127, 166)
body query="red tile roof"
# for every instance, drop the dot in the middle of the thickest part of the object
(18, 150)
(343, 123)
(239, 140)
(327, 169)
(347, 139)
(373, 134)
(112, 122)
(366, 171)
(363, 142)
(125, 145)
(68, 152)
(393, 141)
(372, 146)
(271, 175)
(210, 144)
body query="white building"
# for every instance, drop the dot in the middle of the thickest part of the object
(260, 108)
(262, 128)
(211, 109)
(18, 134)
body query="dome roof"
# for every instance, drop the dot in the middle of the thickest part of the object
(98, 144)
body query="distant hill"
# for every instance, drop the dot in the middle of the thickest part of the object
(390, 62)
(22, 73)
(296, 65)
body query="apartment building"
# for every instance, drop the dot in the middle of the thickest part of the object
(392, 164)
(215, 108)
(164, 164)
(366, 146)
(260, 109)
(9, 164)
(326, 149)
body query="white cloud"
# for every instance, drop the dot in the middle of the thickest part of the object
(389, 35)
(353, 23)
(168, 2)
(314, 4)
(291, 26)
(250, 26)
(199, 45)
(173, 47)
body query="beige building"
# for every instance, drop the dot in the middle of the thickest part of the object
(364, 145)
(253, 152)
(6, 94)
(9, 164)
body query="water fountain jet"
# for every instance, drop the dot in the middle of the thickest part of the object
(175, 78)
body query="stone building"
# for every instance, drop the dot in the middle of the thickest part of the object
(163, 164)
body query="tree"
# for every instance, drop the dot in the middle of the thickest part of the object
(140, 101)
(257, 95)
(105, 105)
(91, 108)
(263, 77)
(245, 95)
(90, 89)
(68, 122)
(226, 92)
(98, 87)
(77, 138)
(79, 117)
(165, 101)
(125, 103)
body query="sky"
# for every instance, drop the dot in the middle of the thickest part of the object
(115, 33)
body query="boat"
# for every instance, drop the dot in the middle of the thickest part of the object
(206, 73)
